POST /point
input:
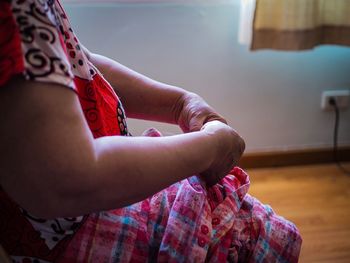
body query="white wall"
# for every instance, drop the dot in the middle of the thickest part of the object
(272, 98)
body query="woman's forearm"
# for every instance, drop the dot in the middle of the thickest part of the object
(128, 170)
(143, 98)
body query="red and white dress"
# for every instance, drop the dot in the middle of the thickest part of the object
(185, 222)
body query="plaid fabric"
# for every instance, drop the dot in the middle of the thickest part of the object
(187, 223)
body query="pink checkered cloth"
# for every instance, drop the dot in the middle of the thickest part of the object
(187, 223)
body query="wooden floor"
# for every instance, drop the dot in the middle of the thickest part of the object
(317, 199)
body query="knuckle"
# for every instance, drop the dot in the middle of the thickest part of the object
(242, 144)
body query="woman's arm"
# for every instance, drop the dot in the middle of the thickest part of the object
(53, 167)
(142, 97)
(145, 98)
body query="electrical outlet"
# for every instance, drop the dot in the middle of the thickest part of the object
(341, 97)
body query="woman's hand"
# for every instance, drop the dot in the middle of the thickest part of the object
(229, 148)
(195, 112)
(195, 115)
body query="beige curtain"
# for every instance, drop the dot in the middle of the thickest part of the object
(300, 24)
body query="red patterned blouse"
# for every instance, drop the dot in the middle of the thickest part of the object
(37, 42)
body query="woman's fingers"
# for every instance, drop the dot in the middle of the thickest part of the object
(152, 132)
(229, 148)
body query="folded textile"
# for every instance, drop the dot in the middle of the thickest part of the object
(188, 223)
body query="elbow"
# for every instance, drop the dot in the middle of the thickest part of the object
(47, 205)
(49, 200)
(45, 209)
(54, 206)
